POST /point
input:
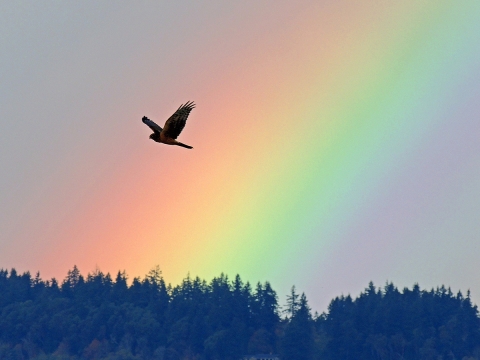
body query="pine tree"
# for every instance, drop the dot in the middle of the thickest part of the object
(292, 303)
(298, 342)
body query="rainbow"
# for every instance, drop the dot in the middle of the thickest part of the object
(311, 124)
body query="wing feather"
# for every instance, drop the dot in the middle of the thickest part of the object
(175, 123)
(155, 128)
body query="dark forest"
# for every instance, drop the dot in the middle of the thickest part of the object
(100, 317)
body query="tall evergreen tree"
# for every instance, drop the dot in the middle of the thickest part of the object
(292, 303)
(298, 342)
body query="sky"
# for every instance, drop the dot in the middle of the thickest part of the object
(335, 142)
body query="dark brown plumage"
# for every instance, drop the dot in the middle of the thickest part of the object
(173, 126)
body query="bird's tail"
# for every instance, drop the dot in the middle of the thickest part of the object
(183, 145)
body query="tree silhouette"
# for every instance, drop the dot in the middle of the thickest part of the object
(97, 317)
(298, 342)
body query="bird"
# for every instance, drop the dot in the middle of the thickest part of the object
(173, 126)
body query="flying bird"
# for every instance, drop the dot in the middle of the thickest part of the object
(173, 126)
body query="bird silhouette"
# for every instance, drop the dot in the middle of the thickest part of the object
(173, 126)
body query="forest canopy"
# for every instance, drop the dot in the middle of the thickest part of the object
(100, 317)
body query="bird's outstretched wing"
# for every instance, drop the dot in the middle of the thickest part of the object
(156, 129)
(175, 124)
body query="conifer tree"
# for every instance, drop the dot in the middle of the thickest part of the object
(298, 342)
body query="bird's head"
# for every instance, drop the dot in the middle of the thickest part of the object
(151, 136)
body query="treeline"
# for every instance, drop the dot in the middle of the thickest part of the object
(98, 317)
